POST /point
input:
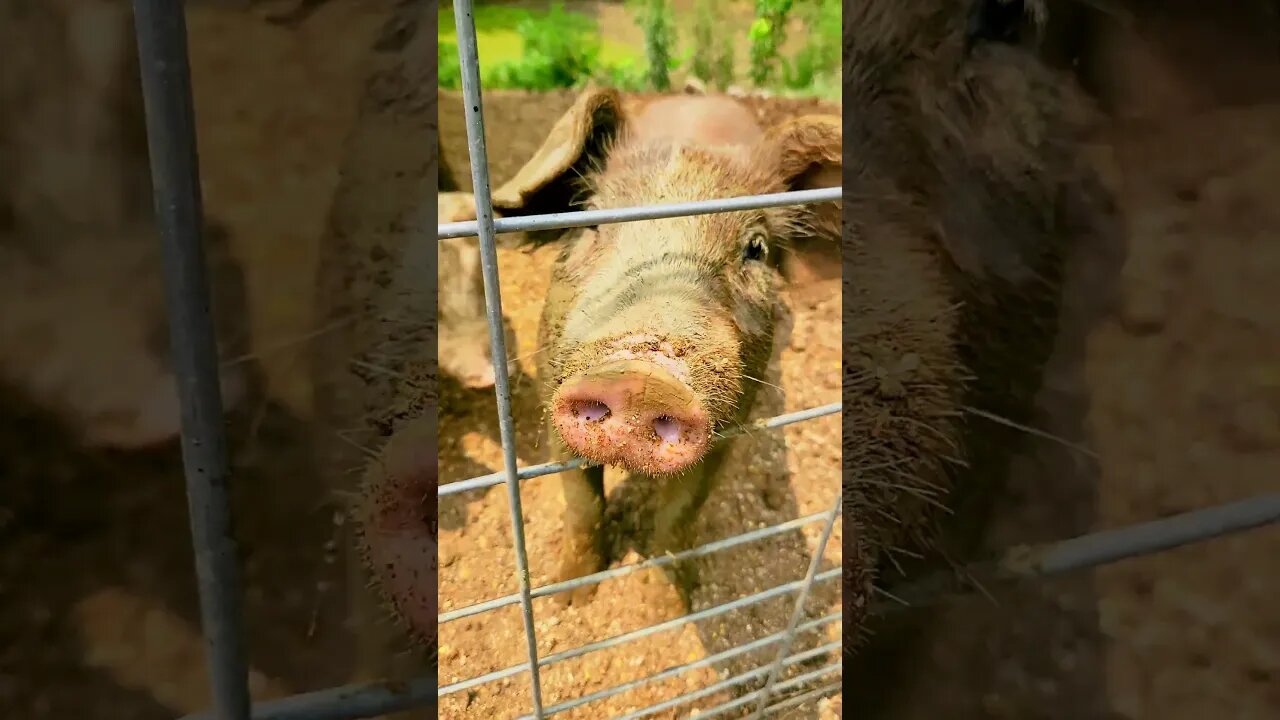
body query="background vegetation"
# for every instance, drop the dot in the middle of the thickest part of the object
(789, 47)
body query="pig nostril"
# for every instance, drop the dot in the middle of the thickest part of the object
(667, 428)
(591, 411)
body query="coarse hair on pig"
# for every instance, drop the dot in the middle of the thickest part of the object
(655, 334)
(967, 194)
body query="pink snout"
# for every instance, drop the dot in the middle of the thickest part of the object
(634, 414)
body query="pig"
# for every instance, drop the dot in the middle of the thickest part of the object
(375, 265)
(651, 329)
(84, 332)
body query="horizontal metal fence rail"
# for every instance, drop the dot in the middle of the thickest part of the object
(700, 551)
(587, 218)
(166, 87)
(1090, 550)
(625, 637)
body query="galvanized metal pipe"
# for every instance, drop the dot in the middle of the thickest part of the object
(175, 174)
(797, 681)
(642, 632)
(727, 683)
(348, 702)
(464, 23)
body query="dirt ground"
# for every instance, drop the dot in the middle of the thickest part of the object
(1178, 392)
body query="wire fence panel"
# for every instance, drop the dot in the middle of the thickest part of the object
(170, 129)
(700, 551)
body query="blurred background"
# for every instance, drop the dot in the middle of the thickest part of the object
(775, 46)
(1177, 390)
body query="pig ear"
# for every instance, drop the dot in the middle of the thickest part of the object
(576, 145)
(808, 154)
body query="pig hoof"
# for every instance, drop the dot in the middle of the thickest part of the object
(573, 568)
(578, 597)
(671, 584)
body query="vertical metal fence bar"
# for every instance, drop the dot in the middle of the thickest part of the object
(468, 57)
(798, 611)
(166, 88)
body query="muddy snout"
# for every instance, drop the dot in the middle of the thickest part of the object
(632, 413)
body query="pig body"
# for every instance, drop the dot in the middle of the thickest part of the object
(84, 335)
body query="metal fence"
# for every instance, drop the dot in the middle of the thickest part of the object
(161, 33)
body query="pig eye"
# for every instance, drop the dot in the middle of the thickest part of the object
(755, 248)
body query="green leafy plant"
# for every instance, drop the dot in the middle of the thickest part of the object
(625, 75)
(704, 44)
(767, 33)
(724, 73)
(655, 18)
(449, 69)
(818, 62)
(560, 50)
(712, 52)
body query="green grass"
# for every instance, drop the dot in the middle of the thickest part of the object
(497, 40)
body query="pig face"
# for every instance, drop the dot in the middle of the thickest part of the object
(656, 333)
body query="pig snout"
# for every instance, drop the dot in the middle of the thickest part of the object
(635, 411)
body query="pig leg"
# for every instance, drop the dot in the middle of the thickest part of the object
(583, 551)
(679, 500)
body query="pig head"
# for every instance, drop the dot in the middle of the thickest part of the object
(653, 328)
(655, 334)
